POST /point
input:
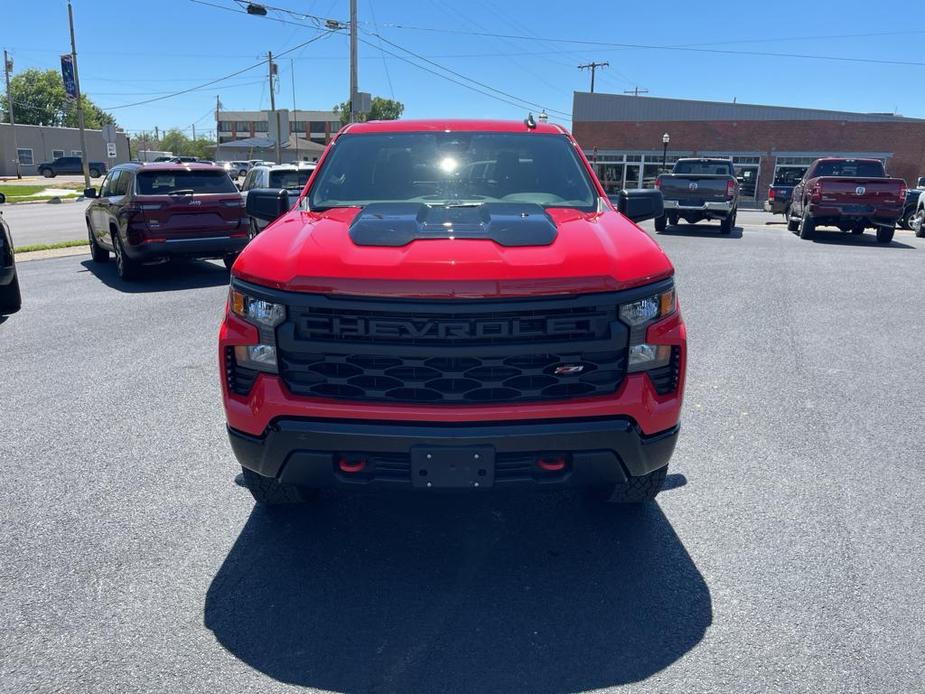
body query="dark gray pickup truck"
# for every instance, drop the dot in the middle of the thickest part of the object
(698, 189)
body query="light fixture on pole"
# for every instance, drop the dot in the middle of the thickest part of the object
(666, 138)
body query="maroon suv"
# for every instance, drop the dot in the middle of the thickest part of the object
(148, 213)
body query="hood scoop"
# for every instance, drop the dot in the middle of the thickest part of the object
(505, 223)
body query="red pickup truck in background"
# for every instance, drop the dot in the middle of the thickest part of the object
(851, 194)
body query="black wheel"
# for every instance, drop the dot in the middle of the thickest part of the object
(252, 231)
(661, 222)
(792, 224)
(885, 234)
(2, 198)
(47, 173)
(807, 226)
(229, 260)
(636, 490)
(673, 219)
(269, 492)
(94, 173)
(905, 222)
(125, 266)
(857, 229)
(10, 297)
(726, 226)
(98, 253)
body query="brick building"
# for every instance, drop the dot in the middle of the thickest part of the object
(622, 135)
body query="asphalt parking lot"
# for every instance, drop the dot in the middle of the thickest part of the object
(787, 553)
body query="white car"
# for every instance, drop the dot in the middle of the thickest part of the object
(292, 177)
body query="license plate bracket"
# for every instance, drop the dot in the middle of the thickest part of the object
(452, 467)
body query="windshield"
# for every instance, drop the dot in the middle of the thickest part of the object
(453, 169)
(853, 169)
(186, 182)
(703, 168)
(789, 176)
(290, 180)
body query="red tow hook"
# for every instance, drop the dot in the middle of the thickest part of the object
(351, 466)
(556, 464)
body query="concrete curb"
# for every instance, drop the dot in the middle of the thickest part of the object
(53, 253)
(48, 201)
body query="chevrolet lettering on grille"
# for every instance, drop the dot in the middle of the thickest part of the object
(441, 329)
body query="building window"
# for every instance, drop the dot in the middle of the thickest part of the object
(300, 125)
(261, 126)
(24, 154)
(225, 125)
(242, 125)
(76, 153)
(56, 153)
(334, 125)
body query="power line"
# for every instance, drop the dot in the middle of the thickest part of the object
(220, 79)
(464, 77)
(652, 47)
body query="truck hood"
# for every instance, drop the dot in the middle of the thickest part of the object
(591, 252)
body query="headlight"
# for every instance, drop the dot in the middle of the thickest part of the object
(639, 315)
(257, 311)
(648, 309)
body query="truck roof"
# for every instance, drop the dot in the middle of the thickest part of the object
(451, 125)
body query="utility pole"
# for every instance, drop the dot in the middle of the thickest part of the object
(279, 156)
(353, 60)
(636, 91)
(593, 68)
(194, 132)
(157, 134)
(7, 66)
(295, 112)
(84, 154)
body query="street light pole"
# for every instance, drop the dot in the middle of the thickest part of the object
(84, 154)
(666, 138)
(353, 60)
(7, 66)
(279, 156)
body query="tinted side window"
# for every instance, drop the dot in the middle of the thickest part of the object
(121, 186)
(109, 185)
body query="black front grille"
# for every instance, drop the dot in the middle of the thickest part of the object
(446, 352)
(240, 380)
(665, 378)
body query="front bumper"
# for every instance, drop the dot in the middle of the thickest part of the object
(714, 207)
(202, 247)
(597, 451)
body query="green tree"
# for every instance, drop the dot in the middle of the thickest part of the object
(380, 108)
(39, 99)
(174, 140)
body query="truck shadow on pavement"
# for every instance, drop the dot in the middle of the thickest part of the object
(706, 230)
(835, 237)
(501, 593)
(173, 276)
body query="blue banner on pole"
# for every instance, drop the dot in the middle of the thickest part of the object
(67, 74)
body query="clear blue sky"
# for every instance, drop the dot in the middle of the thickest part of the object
(132, 50)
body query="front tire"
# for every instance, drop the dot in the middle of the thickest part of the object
(917, 223)
(857, 229)
(885, 234)
(94, 173)
(270, 492)
(661, 222)
(636, 490)
(97, 253)
(10, 297)
(793, 225)
(47, 173)
(807, 227)
(673, 220)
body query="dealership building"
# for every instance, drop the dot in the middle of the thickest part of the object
(30, 145)
(623, 136)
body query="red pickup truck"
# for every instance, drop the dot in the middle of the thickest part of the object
(851, 194)
(452, 305)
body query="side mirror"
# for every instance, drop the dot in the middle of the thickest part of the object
(90, 193)
(268, 203)
(639, 204)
